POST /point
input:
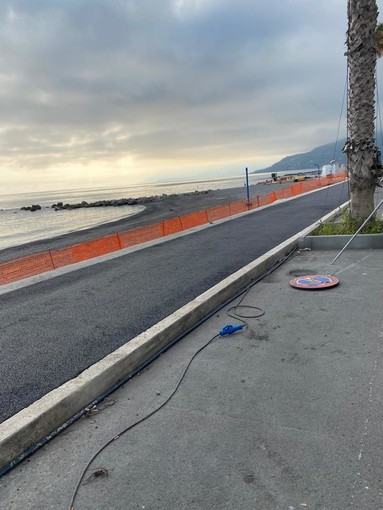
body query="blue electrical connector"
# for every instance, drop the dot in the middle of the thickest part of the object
(230, 329)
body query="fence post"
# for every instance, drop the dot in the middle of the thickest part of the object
(50, 255)
(119, 240)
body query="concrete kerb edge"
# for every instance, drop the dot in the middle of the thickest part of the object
(34, 423)
(338, 242)
(314, 242)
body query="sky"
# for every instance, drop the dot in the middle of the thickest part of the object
(115, 92)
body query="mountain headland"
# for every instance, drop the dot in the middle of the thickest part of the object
(319, 156)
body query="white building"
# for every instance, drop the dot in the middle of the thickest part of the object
(333, 168)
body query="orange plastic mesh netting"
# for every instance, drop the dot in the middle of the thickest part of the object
(310, 185)
(278, 194)
(288, 192)
(332, 179)
(239, 206)
(217, 213)
(194, 220)
(297, 188)
(254, 202)
(63, 257)
(85, 251)
(24, 267)
(324, 181)
(172, 226)
(266, 199)
(141, 235)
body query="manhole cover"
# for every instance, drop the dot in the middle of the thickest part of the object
(314, 281)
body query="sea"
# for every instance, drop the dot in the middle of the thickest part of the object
(19, 227)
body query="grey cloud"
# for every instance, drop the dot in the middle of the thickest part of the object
(233, 75)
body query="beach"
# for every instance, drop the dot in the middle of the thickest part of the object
(154, 212)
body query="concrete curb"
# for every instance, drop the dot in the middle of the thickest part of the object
(361, 242)
(34, 423)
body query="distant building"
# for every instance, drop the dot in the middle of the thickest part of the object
(333, 168)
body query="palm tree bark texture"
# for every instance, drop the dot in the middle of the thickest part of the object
(362, 153)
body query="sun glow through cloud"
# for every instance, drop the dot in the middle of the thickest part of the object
(126, 91)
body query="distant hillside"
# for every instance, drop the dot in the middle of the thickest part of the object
(322, 155)
(319, 156)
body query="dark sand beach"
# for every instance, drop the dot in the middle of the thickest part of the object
(169, 207)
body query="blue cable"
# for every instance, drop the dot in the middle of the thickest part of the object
(230, 329)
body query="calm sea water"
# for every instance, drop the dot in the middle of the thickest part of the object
(19, 227)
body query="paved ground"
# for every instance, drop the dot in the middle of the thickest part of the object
(53, 330)
(286, 415)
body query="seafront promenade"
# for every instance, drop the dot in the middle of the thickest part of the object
(54, 256)
(55, 329)
(159, 284)
(284, 415)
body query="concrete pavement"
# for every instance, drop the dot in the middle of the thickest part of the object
(286, 414)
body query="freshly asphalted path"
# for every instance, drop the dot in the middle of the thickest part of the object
(53, 330)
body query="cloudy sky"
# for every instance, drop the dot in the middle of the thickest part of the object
(114, 92)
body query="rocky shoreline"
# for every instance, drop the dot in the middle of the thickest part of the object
(59, 206)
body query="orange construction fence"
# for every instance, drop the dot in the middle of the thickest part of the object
(32, 265)
(194, 220)
(217, 213)
(141, 235)
(84, 251)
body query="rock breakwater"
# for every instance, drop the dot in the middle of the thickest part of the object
(60, 206)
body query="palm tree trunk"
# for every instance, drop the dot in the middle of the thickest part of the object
(362, 154)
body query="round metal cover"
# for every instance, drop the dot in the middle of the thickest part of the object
(314, 281)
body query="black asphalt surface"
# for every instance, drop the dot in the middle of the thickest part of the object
(53, 330)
